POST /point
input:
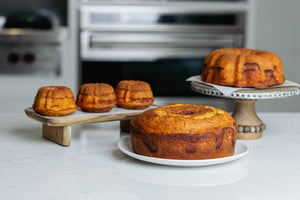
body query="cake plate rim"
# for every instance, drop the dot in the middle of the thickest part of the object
(249, 93)
(124, 145)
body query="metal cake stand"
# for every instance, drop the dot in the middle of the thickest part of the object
(250, 126)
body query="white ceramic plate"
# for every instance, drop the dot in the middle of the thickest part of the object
(125, 146)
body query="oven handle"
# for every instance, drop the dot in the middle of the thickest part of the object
(110, 47)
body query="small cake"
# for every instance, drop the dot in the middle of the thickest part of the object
(184, 131)
(54, 101)
(96, 97)
(134, 94)
(243, 68)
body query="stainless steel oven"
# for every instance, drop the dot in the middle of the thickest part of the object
(161, 42)
(35, 50)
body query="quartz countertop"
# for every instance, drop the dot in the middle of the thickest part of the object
(32, 167)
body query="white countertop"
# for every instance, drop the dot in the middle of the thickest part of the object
(32, 167)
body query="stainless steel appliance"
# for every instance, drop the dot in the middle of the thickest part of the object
(161, 42)
(35, 52)
(30, 43)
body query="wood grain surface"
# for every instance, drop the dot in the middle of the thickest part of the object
(80, 117)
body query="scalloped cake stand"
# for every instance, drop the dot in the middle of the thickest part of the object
(250, 126)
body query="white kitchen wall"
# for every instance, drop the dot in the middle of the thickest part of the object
(277, 29)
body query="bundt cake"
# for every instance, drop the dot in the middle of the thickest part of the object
(184, 131)
(243, 68)
(96, 97)
(133, 94)
(54, 101)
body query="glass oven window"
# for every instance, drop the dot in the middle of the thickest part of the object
(167, 77)
(172, 19)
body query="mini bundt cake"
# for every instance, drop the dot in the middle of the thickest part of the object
(54, 101)
(96, 97)
(243, 68)
(184, 131)
(134, 94)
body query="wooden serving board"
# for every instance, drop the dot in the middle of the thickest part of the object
(58, 129)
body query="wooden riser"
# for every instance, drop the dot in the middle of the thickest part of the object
(58, 129)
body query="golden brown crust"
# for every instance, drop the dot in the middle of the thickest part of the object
(96, 97)
(184, 131)
(133, 94)
(54, 101)
(243, 68)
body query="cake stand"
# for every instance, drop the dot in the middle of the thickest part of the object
(250, 126)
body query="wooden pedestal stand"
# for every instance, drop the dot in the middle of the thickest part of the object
(249, 124)
(58, 129)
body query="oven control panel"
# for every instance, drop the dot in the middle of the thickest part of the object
(29, 59)
(32, 52)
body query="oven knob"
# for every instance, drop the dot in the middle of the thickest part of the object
(28, 58)
(13, 58)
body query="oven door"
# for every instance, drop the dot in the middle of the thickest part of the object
(149, 46)
(166, 77)
(156, 31)
(161, 44)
